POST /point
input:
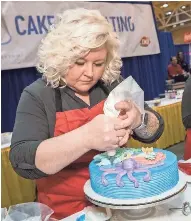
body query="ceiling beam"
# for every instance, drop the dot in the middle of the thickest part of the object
(161, 21)
(176, 10)
(177, 7)
(185, 12)
(174, 23)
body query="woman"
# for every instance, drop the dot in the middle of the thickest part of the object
(182, 62)
(60, 124)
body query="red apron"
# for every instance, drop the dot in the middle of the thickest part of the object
(63, 191)
(187, 151)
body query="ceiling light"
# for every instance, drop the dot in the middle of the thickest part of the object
(174, 26)
(168, 13)
(165, 5)
(183, 7)
(182, 23)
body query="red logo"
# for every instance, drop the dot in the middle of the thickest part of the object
(145, 41)
(187, 37)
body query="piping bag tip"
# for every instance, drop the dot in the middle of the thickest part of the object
(111, 155)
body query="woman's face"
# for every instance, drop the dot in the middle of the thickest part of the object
(86, 72)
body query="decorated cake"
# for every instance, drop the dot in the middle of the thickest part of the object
(134, 173)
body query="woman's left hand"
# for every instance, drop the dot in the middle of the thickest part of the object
(129, 114)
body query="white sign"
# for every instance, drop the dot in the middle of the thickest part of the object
(24, 24)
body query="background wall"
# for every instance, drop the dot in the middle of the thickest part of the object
(178, 35)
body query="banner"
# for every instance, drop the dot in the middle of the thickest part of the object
(24, 24)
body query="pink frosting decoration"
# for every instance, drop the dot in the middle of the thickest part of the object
(159, 157)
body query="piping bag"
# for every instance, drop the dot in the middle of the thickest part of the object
(128, 89)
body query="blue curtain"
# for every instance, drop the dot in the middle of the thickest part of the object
(151, 71)
(145, 70)
(185, 49)
(167, 49)
(12, 84)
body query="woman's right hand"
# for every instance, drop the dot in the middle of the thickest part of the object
(101, 134)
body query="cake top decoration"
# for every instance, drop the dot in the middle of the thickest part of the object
(128, 161)
(144, 155)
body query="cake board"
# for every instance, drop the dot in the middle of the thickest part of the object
(188, 179)
(135, 208)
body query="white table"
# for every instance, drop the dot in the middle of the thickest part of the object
(164, 102)
(6, 139)
(162, 212)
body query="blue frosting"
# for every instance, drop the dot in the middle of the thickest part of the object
(163, 178)
(81, 218)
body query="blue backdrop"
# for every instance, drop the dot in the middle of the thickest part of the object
(151, 71)
(12, 84)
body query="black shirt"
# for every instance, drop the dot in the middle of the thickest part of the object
(36, 116)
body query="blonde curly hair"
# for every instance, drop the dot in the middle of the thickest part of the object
(73, 35)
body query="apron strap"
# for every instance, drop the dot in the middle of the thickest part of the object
(58, 97)
(58, 100)
(104, 87)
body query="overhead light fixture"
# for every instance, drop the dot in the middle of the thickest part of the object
(174, 26)
(182, 23)
(183, 7)
(168, 13)
(165, 5)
